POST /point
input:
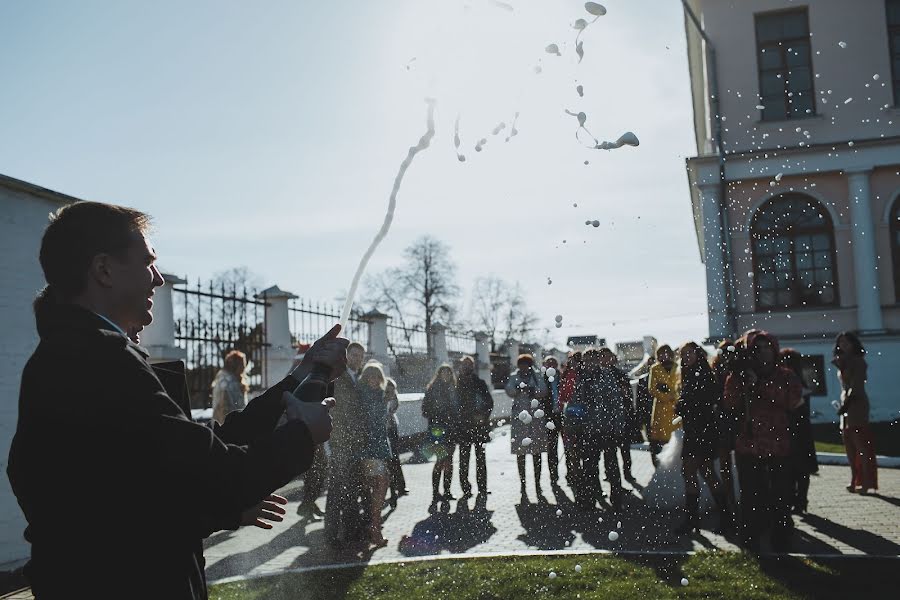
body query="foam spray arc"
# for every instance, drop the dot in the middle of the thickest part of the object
(424, 142)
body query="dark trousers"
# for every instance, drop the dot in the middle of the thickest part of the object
(342, 504)
(314, 479)
(398, 482)
(465, 453)
(553, 454)
(765, 496)
(626, 459)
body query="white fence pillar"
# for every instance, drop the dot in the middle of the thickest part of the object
(158, 338)
(714, 249)
(439, 343)
(512, 347)
(280, 350)
(378, 340)
(483, 356)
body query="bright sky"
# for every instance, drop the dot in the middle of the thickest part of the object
(268, 136)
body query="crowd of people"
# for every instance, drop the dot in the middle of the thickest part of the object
(738, 421)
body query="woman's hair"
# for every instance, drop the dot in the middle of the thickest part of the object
(389, 381)
(859, 349)
(233, 364)
(437, 376)
(525, 357)
(697, 349)
(373, 369)
(76, 234)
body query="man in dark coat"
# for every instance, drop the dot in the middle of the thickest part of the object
(118, 486)
(476, 405)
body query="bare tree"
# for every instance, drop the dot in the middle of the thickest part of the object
(420, 292)
(499, 308)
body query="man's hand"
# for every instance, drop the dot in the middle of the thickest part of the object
(316, 417)
(329, 350)
(269, 509)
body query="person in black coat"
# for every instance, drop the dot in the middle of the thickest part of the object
(141, 484)
(698, 408)
(804, 461)
(475, 404)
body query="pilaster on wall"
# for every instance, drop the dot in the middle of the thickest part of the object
(865, 262)
(439, 343)
(378, 340)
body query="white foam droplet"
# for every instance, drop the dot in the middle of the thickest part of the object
(539, 414)
(876, 76)
(613, 536)
(684, 581)
(552, 575)
(619, 525)
(595, 223)
(779, 176)
(760, 107)
(535, 404)
(578, 568)
(524, 416)
(558, 512)
(550, 425)
(595, 9)
(552, 49)
(551, 372)
(580, 89)
(848, 100)
(526, 442)
(842, 44)
(558, 318)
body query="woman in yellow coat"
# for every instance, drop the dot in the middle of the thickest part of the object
(664, 387)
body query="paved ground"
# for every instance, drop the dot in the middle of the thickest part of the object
(838, 523)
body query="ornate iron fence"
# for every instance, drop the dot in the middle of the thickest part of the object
(402, 341)
(460, 343)
(310, 321)
(211, 320)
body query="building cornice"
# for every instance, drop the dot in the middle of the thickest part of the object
(31, 189)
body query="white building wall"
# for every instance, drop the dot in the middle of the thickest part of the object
(23, 217)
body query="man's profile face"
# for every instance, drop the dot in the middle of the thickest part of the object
(132, 279)
(355, 358)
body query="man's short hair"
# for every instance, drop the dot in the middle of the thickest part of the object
(467, 359)
(77, 233)
(357, 345)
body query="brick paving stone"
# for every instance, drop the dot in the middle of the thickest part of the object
(837, 523)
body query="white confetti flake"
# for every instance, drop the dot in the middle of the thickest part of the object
(578, 568)
(551, 372)
(684, 580)
(535, 404)
(526, 442)
(539, 414)
(550, 425)
(552, 575)
(613, 536)
(558, 512)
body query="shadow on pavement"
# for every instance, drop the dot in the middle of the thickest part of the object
(864, 541)
(454, 532)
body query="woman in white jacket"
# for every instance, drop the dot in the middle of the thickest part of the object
(229, 388)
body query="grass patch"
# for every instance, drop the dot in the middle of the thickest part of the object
(829, 447)
(886, 434)
(710, 575)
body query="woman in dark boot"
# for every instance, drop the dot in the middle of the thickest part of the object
(441, 407)
(697, 408)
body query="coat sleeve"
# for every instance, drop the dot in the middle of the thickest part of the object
(541, 389)
(259, 418)
(488, 397)
(212, 482)
(512, 386)
(428, 405)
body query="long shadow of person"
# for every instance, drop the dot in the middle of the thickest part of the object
(454, 532)
(865, 541)
(547, 526)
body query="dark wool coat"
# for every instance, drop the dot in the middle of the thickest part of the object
(118, 486)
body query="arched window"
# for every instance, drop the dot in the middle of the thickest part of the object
(793, 254)
(895, 244)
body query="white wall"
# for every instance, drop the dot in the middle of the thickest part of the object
(23, 218)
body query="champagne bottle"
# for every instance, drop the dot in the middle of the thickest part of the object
(314, 387)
